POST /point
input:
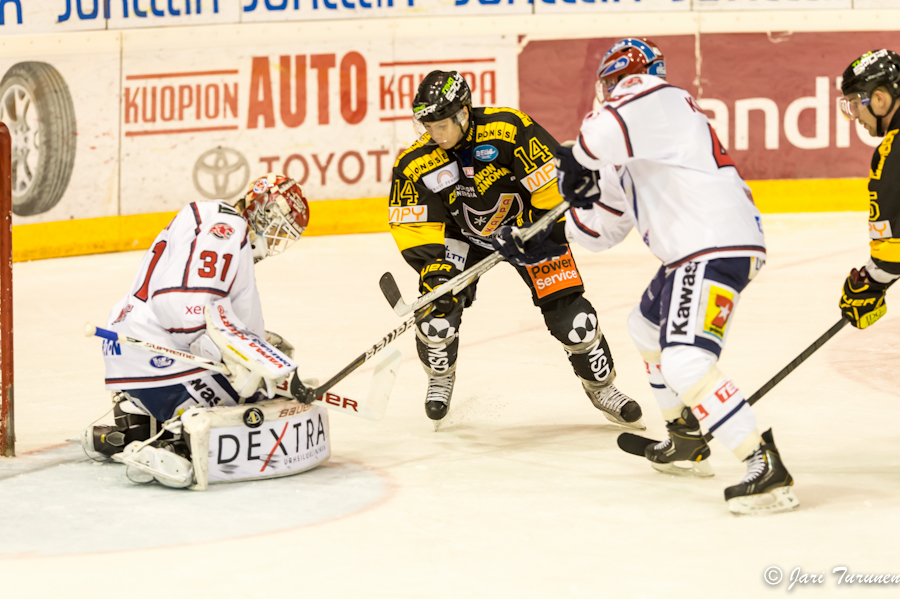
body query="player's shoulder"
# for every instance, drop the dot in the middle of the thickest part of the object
(219, 219)
(420, 159)
(499, 123)
(635, 87)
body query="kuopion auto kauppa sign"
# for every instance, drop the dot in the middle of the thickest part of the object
(332, 115)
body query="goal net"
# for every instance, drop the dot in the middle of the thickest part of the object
(7, 432)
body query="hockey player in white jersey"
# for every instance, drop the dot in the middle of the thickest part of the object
(205, 255)
(664, 172)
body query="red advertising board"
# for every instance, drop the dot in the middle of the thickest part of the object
(771, 97)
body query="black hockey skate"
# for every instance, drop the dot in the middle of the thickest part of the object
(685, 452)
(437, 401)
(102, 441)
(767, 486)
(615, 405)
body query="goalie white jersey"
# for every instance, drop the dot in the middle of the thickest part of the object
(202, 255)
(664, 171)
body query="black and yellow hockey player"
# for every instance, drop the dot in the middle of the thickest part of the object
(472, 173)
(871, 90)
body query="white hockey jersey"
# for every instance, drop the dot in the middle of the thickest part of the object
(202, 255)
(664, 171)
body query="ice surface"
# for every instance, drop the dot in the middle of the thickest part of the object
(522, 493)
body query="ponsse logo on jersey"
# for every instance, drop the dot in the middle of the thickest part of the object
(221, 230)
(497, 130)
(423, 164)
(884, 151)
(487, 176)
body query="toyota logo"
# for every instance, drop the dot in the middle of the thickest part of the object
(221, 173)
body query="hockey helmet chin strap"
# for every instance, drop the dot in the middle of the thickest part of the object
(879, 120)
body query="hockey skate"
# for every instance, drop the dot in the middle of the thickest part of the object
(437, 401)
(767, 486)
(101, 441)
(615, 405)
(685, 452)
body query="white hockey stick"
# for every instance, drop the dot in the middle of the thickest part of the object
(372, 409)
(470, 275)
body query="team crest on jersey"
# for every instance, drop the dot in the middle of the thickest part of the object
(221, 230)
(630, 82)
(485, 222)
(161, 361)
(123, 314)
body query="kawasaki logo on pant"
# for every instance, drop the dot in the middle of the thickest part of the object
(684, 302)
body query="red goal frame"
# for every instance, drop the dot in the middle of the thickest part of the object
(7, 431)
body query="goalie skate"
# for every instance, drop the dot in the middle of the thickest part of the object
(767, 486)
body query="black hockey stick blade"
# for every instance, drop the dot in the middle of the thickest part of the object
(392, 294)
(634, 444)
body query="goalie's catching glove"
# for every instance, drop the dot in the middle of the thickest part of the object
(862, 300)
(540, 247)
(577, 184)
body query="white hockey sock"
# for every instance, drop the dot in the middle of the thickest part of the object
(723, 410)
(668, 402)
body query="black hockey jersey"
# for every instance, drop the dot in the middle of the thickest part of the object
(501, 173)
(884, 202)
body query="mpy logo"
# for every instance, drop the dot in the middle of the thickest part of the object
(718, 310)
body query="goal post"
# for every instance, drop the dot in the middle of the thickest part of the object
(7, 430)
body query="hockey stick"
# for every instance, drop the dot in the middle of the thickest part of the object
(383, 378)
(467, 277)
(636, 444)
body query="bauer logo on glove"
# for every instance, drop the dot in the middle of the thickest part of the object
(862, 300)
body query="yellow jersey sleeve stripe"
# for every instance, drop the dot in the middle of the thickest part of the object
(410, 236)
(886, 250)
(546, 197)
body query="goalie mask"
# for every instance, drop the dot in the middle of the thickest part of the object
(277, 212)
(629, 56)
(442, 107)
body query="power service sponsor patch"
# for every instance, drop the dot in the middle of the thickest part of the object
(442, 178)
(408, 214)
(554, 275)
(684, 303)
(717, 301)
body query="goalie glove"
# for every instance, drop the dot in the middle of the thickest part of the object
(862, 300)
(577, 184)
(253, 362)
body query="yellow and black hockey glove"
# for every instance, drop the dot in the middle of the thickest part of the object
(862, 300)
(435, 274)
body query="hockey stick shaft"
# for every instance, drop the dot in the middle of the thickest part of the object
(470, 275)
(180, 356)
(317, 393)
(800, 359)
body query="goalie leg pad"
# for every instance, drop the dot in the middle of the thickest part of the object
(146, 462)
